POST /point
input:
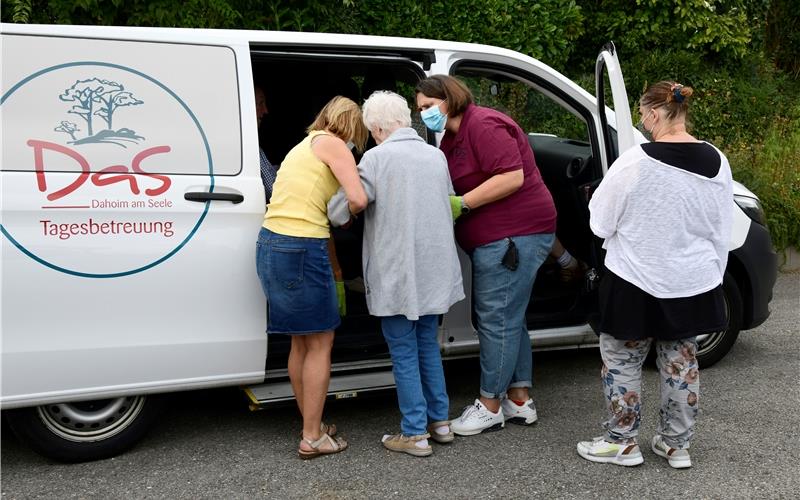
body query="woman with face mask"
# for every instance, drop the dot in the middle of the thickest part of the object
(664, 211)
(294, 263)
(506, 223)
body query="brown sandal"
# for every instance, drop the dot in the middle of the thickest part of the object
(337, 445)
(329, 429)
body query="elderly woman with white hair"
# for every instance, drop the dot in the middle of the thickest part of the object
(411, 268)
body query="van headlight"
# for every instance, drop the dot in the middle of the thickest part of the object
(751, 207)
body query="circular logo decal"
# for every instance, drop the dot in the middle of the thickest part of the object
(91, 164)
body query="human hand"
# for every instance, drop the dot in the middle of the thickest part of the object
(455, 206)
(341, 298)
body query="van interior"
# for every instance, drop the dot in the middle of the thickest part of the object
(297, 84)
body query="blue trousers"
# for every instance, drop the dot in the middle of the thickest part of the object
(418, 372)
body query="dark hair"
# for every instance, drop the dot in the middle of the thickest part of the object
(672, 96)
(453, 90)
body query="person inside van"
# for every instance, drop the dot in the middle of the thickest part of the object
(664, 211)
(506, 223)
(410, 264)
(293, 262)
(268, 170)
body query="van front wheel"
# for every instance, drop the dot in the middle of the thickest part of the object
(86, 430)
(714, 346)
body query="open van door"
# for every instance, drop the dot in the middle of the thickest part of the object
(607, 59)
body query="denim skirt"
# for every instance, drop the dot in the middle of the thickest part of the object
(297, 279)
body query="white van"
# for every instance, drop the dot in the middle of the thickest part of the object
(131, 202)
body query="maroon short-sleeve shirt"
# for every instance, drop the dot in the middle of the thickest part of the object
(490, 143)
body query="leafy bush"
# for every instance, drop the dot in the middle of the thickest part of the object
(772, 171)
(729, 106)
(713, 29)
(783, 35)
(545, 29)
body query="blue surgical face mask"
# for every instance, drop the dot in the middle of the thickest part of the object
(433, 118)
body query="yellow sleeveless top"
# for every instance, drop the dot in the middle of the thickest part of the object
(300, 195)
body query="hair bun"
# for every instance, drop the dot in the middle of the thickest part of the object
(678, 93)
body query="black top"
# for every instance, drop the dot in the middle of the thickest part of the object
(697, 157)
(629, 313)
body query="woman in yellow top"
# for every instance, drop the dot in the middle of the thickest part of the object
(293, 261)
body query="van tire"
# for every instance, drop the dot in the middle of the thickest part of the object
(86, 430)
(713, 347)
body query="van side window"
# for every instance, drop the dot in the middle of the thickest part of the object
(534, 111)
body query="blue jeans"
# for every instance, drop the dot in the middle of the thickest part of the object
(501, 298)
(418, 372)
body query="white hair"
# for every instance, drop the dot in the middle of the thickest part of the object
(386, 110)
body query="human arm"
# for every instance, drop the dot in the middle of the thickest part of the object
(268, 174)
(338, 207)
(494, 188)
(333, 152)
(496, 152)
(609, 200)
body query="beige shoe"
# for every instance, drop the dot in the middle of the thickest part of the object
(441, 438)
(324, 429)
(335, 445)
(407, 444)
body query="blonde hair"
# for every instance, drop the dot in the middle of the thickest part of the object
(387, 111)
(342, 117)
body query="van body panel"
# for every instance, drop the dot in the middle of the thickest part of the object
(758, 265)
(112, 281)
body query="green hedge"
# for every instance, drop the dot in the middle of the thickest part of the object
(771, 169)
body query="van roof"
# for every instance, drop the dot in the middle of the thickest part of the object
(263, 39)
(245, 37)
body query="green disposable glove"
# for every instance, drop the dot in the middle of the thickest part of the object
(455, 206)
(341, 297)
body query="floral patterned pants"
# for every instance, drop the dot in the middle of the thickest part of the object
(622, 386)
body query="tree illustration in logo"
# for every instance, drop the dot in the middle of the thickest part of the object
(69, 128)
(101, 98)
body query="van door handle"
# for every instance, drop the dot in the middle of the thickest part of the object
(205, 196)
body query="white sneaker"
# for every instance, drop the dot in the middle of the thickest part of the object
(476, 419)
(678, 459)
(524, 414)
(600, 450)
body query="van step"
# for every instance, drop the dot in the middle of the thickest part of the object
(341, 386)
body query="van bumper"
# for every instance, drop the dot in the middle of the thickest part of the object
(759, 263)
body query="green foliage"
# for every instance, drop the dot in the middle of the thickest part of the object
(545, 29)
(783, 35)
(305, 15)
(770, 170)
(708, 28)
(21, 11)
(729, 105)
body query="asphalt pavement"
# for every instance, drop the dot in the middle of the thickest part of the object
(209, 445)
